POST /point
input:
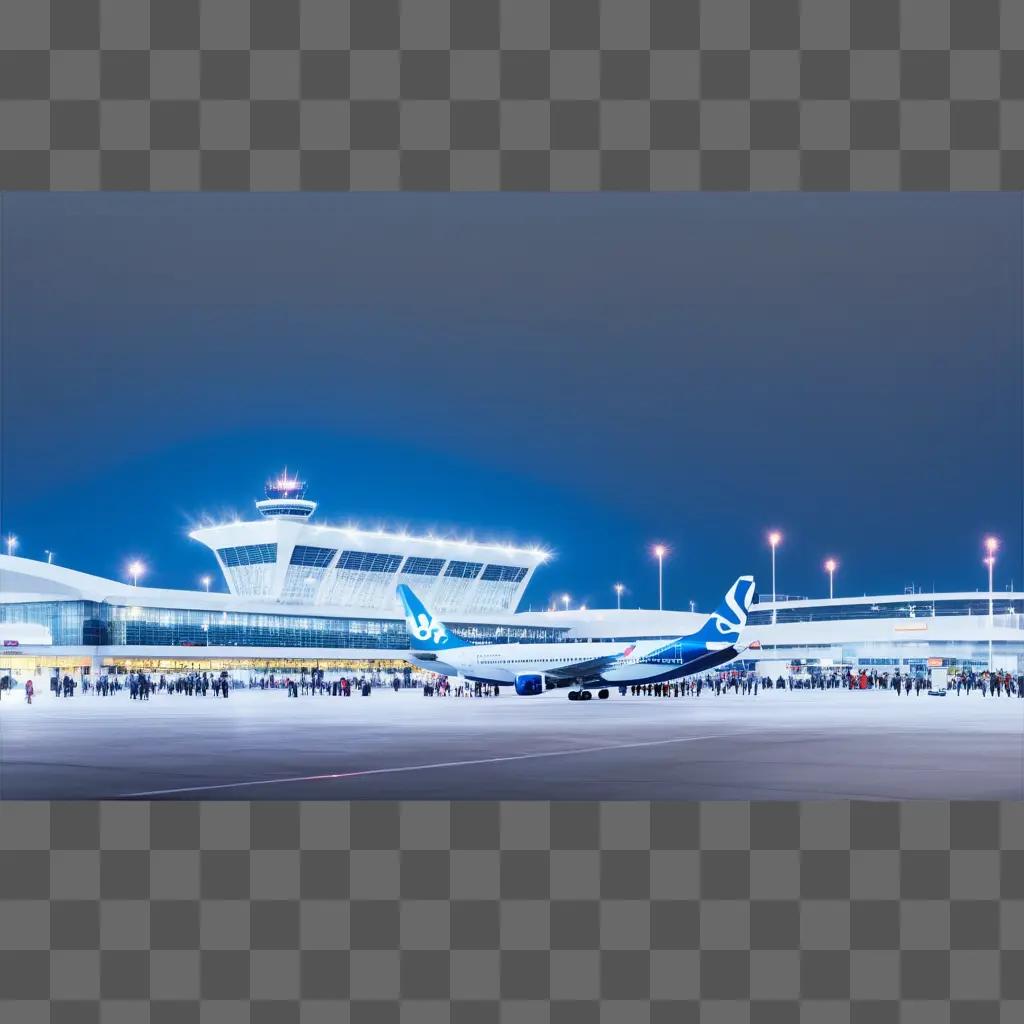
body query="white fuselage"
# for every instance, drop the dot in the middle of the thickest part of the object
(502, 663)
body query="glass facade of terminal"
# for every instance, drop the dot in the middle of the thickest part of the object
(918, 606)
(248, 554)
(98, 624)
(887, 656)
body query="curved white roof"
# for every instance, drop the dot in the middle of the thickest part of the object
(290, 561)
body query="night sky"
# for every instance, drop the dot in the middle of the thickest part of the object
(591, 372)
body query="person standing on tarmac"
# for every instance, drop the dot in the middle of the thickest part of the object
(29, 691)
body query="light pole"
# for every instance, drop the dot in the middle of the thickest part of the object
(206, 583)
(693, 607)
(12, 543)
(773, 538)
(618, 596)
(659, 551)
(49, 558)
(135, 570)
(991, 546)
(830, 568)
(565, 601)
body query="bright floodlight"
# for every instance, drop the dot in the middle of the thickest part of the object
(619, 588)
(991, 544)
(565, 601)
(659, 550)
(830, 565)
(206, 581)
(135, 570)
(774, 537)
(12, 543)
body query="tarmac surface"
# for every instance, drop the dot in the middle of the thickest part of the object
(799, 745)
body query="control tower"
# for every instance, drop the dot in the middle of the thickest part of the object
(281, 557)
(286, 498)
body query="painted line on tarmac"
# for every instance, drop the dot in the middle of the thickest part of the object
(421, 767)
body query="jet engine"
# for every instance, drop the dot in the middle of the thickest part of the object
(529, 684)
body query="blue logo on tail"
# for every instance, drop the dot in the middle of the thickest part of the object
(722, 628)
(426, 633)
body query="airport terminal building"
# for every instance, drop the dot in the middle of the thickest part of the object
(301, 594)
(298, 594)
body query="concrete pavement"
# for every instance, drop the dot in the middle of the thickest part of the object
(263, 745)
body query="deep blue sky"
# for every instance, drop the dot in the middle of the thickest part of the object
(594, 372)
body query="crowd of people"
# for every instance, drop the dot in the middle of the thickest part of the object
(315, 684)
(441, 686)
(694, 686)
(141, 685)
(988, 684)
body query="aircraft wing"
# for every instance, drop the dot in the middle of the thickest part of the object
(578, 669)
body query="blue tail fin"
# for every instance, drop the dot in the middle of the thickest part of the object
(722, 629)
(426, 633)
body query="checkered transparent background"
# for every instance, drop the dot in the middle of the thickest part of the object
(512, 94)
(483, 911)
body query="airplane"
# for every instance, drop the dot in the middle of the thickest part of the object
(584, 666)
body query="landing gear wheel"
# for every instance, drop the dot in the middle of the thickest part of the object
(585, 695)
(573, 695)
(602, 694)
